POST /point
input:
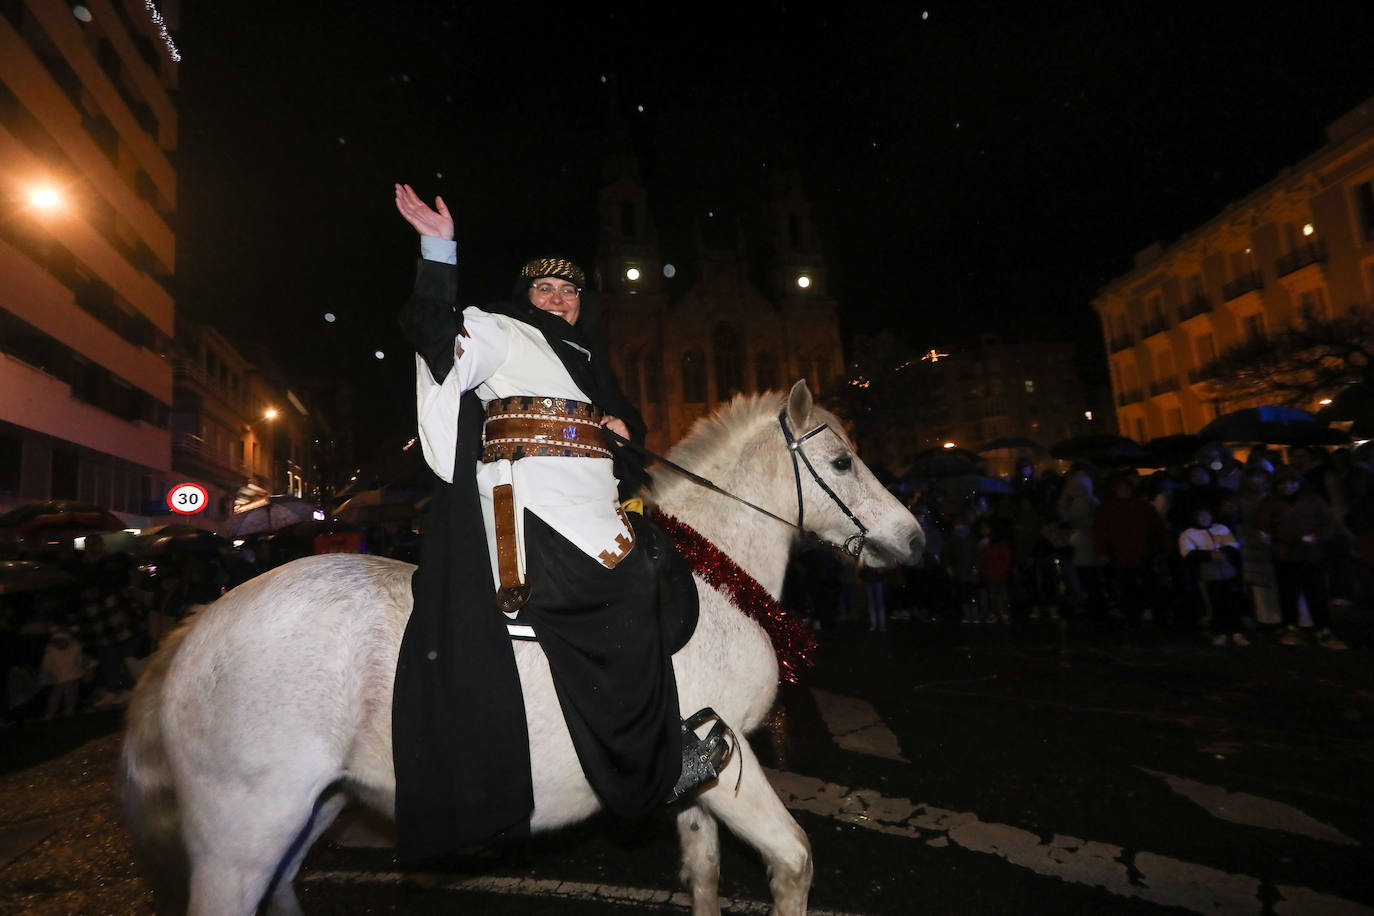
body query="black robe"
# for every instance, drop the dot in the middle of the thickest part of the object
(459, 738)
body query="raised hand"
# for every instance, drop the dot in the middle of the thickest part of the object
(435, 222)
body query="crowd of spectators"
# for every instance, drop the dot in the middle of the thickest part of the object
(1227, 548)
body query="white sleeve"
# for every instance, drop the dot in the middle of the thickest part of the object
(478, 352)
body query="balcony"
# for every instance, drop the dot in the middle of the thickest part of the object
(1245, 283)
(1117, 344)
(1128, 397)
(1198, 305)
(1202, 373)
(192, 453)
(1163, 386)
(1156, 325)
(1309, 253)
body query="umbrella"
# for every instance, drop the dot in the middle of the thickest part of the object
(28, 576)
(944, 462)
(269, 515)
(1180, 448)
(163, 539)
(1272, 425)
(60, 514)
(386, 504)
(312, 527)
(1102, 449)
(1008, 442)
(1354, 405)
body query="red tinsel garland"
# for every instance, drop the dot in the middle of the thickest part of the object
(793, 641)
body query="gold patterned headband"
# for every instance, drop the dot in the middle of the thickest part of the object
(555, 267)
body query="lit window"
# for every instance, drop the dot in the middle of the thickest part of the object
(1030, 386)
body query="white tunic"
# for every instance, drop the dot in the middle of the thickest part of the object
(501, 358)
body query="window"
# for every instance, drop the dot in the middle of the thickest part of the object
(765, 372)
(1140, 429)
(1312, 304)
(1030, 382)
(1364, 209)
(653, 379)
(1254, 326)
(11, 463)
(693, 377)
(64, 475)
(1205, 348)
(628, 223)
(729, 378)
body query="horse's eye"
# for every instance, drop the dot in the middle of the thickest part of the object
(843, 463)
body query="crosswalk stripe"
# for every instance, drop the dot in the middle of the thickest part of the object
(550, 888)
(1142, 875)
(1252, 810)
(856, 726)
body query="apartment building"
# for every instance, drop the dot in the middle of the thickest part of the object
(88, 190)
(1301, 244)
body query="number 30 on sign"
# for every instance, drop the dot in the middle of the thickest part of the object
(187, 498)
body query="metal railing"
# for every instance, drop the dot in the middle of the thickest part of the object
(1300, 257)
(1245, 283)
(1164, 385)
(1117, 344)
(1198, 305)
(1128, 397)
(1156, 325)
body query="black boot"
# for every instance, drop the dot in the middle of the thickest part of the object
(702, 758)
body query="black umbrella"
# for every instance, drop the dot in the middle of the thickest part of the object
(1008, 442)
(1117, 451)
(1272, 425)
(1180, 448)
(65, 514)
(165, 539)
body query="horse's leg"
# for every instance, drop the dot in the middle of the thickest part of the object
(700, 838)
(238, 833)
(756, 815)
(283, 901)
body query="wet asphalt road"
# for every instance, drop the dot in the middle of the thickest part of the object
(983, 770)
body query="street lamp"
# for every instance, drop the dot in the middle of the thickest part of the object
(45, 198)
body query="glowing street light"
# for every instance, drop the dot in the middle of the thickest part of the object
(632, 274)
(804, 281)
(270, 413)
(45, 198)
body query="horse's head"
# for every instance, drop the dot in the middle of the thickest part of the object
(824, 459)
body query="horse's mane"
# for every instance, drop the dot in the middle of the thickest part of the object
(721, 431)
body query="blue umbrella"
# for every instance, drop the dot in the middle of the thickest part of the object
(1271, 425)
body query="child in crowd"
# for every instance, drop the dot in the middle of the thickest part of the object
(63, 667)
(1214, 554)
(994, 570)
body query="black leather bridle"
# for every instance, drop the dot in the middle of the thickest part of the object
(854, 544)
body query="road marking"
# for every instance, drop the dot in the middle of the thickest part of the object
(856, 726)
(551, 888)
(1142, 875)
(1252, 810)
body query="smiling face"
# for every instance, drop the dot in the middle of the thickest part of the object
(550, 294)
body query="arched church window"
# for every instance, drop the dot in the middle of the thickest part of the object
(765, 372)
(693, 377)
(729, 377)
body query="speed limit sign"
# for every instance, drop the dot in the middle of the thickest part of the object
(187, 498)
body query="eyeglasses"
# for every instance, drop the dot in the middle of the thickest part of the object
(548, 289)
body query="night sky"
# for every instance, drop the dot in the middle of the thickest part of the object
(972, 166)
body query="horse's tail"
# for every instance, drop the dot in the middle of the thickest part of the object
(151, 811)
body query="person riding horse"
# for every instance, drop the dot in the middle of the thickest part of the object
(526, 537)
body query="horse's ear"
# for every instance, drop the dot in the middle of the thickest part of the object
(799, 405)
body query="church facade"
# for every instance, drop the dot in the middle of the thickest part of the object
(734, 312)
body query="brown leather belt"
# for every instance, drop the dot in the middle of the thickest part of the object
(528, 427)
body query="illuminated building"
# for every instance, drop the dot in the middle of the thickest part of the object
(687, 335)
(87, 252)
(1303, 243)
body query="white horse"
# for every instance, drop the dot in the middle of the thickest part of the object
(266, 712)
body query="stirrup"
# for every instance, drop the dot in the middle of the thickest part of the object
(702, 758)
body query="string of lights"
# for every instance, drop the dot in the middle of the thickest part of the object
(162, 30)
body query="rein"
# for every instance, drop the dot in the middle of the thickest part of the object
(853, 545)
